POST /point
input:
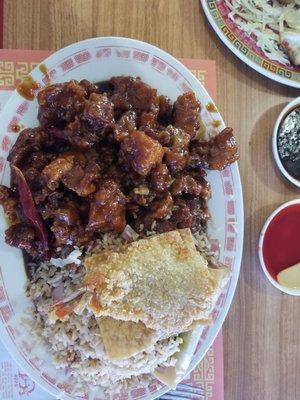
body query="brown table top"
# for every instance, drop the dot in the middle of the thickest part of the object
(262, 329)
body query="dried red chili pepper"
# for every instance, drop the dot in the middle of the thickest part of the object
(29, 209)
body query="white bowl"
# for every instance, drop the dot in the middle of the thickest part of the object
(275, 283)
(98, 59)
(287, 109)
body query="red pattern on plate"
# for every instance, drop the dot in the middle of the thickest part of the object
(123, 53)
(14, 121)
(67, 64)
(103, 53)
(83, 56)
(6, 313)
(23, 107)
(2, 164)
(5, 145)
(158, 64)
(2, 294)
(140, 56)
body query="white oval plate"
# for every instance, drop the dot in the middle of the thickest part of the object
(245, 47)
(98, 59)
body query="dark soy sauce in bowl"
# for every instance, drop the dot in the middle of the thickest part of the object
(288, 142)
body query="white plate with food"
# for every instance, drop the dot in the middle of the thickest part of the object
(123, 192)
(263, 34)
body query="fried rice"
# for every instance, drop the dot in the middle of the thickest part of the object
(75, 342)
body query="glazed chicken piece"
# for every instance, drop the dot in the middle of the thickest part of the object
(190, 213)
(217, 153)
(88, 87)
(9, 203)
(148, 122)
(88, 128)
(54, 171)
(66, 217)
(75, 171)
(177, 152)
(76, 135)
(186, 114)
(28, 142)
(223, 150)
(23, 236)
(82, 178)
(176, 160)
(160, 178)
(159, 209)
(131, 93)
(68, 228)
(98, 112)
(199, 175)
(125, 125)
(69, 234)
(141, 152)
(165, 110)
(31, 152)
(59, 103)
(186, 184)
(107, 212)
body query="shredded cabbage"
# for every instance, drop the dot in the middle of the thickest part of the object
(265, 20)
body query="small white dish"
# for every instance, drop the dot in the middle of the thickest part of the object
(274, 282)
(287, 109)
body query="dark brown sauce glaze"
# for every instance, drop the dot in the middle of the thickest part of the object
(211, 107)
(216, 123)
(104, 87)
(43, 68)
(27, 87)
(288, 142)
(15, 128)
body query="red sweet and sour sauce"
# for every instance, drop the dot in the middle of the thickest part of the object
(281, 244)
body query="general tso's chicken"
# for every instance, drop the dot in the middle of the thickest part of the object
(9, 203)
(98, 112)
(24, 237)
(105, 156)
(141, 152)
(107, 212)
(88, 127)
(223, 150)
(59, 103)
(217, 153)
(132, 93)
(29, 141)
(160, 208)
(125, 125)
(186, 184)
(82, 179)
(160, 178)
(54, 171)
(186, 113)
(75, 171)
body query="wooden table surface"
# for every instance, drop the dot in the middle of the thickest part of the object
(262, 329)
